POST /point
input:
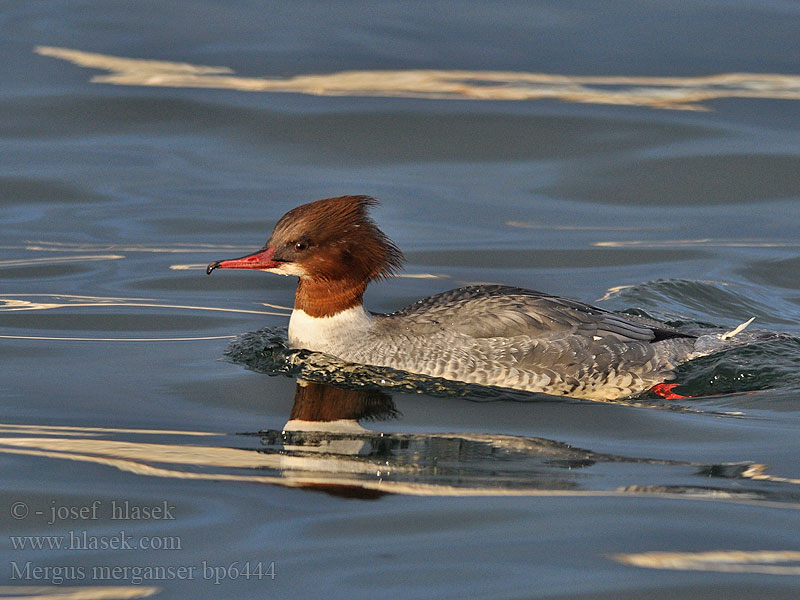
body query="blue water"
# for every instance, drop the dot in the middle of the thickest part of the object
(131, 376)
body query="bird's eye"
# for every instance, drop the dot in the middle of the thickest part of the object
(301, 245)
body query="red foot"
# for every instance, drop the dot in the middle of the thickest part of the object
(665, 391)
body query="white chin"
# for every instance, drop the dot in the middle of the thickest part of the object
(287, 269)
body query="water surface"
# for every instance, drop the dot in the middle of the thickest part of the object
(643, 158)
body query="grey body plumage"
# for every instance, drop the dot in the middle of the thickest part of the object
(516, 338)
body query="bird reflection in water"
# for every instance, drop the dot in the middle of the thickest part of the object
(350, 442)
(329, 432)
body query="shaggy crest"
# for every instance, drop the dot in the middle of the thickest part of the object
(343, 241)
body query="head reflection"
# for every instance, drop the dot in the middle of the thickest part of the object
(321, 403)
(342, 431)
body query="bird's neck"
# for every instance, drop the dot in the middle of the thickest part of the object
(319, 299)
(329, 323)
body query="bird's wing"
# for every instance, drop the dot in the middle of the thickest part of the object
(504, 312)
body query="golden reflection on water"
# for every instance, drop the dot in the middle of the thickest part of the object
(724, 561)
(139, 458)
(325, 447)
(673, 93)
(95, 592)
(334, 456)
(90, 431)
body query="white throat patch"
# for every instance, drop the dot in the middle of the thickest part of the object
(328, 334)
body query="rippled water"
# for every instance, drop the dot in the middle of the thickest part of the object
(642, 157)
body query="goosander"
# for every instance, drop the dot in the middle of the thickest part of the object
(492, 335)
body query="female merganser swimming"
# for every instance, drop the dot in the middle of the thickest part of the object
(486, 334)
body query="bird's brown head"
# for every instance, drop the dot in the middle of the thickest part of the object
(333, 246)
